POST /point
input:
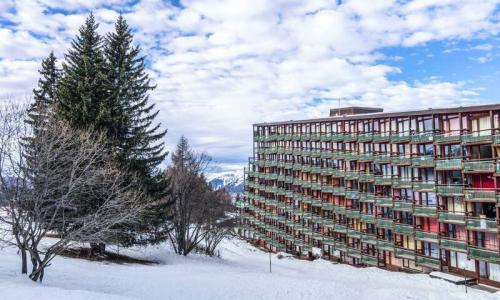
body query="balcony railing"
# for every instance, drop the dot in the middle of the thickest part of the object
(424, 137)
(481, 224)
(404, 229)
(365, 137)
(401, 183)
(402, 137)
(383, 201)
(381, 137)
(383, 180)
(402, 206)
(366, 156)
(401, 160)
(427, 261)
(385, 245)
(365, 197)
(368, 238)
(483, 166)
(427, 236)
(425, 211)
(450, 190)
(369, 260)
(483, 254)
(366, 177)
(404, 253)
(478, 137)
(448, 138)
(350, 137)
(422, 186)
(451, 217)
(452, 244)
(367, 218)
(449, 164)
(480, 195)
(385, 223)
(423, 161)
(382, 158)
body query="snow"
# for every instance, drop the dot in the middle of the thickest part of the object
(449, 277)
(241, 273)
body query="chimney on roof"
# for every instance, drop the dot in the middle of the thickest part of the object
(354, 110)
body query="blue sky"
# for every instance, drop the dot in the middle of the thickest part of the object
(222, 65)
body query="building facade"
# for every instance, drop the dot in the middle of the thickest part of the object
(416, 191)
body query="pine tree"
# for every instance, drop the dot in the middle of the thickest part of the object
(135, 140)
(45, 95)
(83, 87)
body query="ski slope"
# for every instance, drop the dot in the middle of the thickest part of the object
(242, 273)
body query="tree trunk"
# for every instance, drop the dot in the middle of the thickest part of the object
(24, 262)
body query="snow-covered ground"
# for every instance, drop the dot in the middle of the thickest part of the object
(242, 273)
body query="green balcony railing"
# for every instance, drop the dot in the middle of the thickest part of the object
(424, 137)
(369, 260)
(367, 218)
(425, 211)
(354, 253)
(340, 228)
(481, 224)
(353, 214)
(340, 247)
(381, 137)
(385, 223)
(402, 206)
(366, 156)
(325, 137)
(383, 201)
(404, 229)
(366, 177)
(402, 137)
(326, 206)
(483, 254)
(352, 194)
(431, 237)
(422, 186)
(337, 137)
(426, 161)
(449, 164)
(351, 175)
(402, 183)
(351, 137)
(385, 245)
(448, 138)
(480, 195)
(452, 244)
(365, 137)
(381, 158)
(451, 217)
(353, 233)
(427, 261)
(404, 253)
(365, 197)
(483, 166)
(401, 160)
(383, 180)
(478, 137)
(368, 238)
(450, 190)
(351, 156)
(339, 209)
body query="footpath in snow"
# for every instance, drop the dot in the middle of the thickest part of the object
(242, 273)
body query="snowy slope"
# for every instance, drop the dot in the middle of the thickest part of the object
(232, 181)
(241, 274)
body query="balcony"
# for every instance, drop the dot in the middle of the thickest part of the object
(354, 233)
(483, 166)
(480, 195)
(365, 197)
(483, 254)
(326, 154)
(448, 138)
(385, 223)
(339, 228)
(366, 177)
(424, 137)
(402, 137)
(404, 253)
(340, 247)
(337, 137)
(351, 137)
(401, 183)
(381, 137)
(425, 211)
(383, 180)
(382, 158)
(385, 245)
(383, 201)
(368, 238)
(402, 206)
(478, 137)
(365, 137)
(401, 160)
(366, 156)
(401, 228)
(450, 190)
(354, 253)
(451, 217)
(367, 218)
(351, 213)
(426, 161)
(449, 164)
(427, 261)
(481, 224)
(351, 156)
(351, 175)
(424, 186)
(369, 260)
(427, 236)
(339, 209)
(454, 245)
(352, 194)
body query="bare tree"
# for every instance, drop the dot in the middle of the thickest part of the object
(220, 221)
(64, 168)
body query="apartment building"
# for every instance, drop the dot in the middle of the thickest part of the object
(415, 190)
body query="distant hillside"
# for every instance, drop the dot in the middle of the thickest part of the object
(231, 181)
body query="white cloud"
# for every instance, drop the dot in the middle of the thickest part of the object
(222, 65)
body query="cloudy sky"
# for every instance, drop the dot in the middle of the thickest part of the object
(221, 65)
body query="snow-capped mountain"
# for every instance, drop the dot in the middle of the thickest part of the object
(232, 181)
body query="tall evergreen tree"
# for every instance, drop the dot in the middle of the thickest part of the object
(45, 95)
(136, 141)
(83, 87)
